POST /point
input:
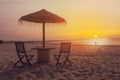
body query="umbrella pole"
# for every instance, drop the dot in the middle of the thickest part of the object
(43, 35)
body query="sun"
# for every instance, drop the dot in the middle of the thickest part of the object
(95, 36)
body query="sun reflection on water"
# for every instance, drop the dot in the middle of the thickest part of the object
(98, 41)
(95, 41)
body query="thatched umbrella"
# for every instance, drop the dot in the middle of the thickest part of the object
(43, 16)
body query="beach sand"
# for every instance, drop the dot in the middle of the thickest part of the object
(89, 63)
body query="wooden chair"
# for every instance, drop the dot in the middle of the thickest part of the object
(64, 53)
(22, 55)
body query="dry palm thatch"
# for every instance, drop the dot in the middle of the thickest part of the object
(43, 16)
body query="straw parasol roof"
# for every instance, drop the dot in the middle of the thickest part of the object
(43, 16)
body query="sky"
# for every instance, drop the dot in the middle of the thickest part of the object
(85, 18)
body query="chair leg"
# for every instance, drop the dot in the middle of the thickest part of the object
(28, 60)
(20, 60)
(57, 61)
(67, 60)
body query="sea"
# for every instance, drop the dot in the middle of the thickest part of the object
(100, 41)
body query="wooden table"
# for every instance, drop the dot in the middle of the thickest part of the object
(43, 54)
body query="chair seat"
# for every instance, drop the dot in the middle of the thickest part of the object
(60, 55)
(30, 55)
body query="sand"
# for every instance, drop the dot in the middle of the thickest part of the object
(89, 63)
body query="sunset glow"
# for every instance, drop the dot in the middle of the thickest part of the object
(95, 36)
(85, 19)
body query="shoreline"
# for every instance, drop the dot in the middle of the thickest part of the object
(58, 42)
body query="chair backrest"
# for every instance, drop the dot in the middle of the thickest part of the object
(20, 47)
(65, 47)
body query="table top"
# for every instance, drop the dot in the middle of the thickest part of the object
(39, 48)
